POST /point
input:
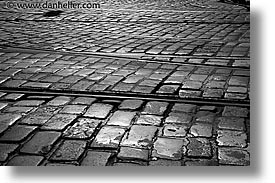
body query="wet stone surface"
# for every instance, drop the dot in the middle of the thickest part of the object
(135, 83)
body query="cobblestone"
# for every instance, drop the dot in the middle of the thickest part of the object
(169, 148)
(40, 143)
(96, 158)
(98, 110)
(140, 137)
(110, 84)
(108, 137)
(69, 150)
(17, 133)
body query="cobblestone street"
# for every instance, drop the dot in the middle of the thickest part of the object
(132, 83)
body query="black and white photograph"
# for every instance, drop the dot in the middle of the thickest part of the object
(125, 83)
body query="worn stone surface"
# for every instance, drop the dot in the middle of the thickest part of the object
(98, 110)
(140, 136)
(231, 138)
(199, 147)
(169, 148)
(122, 118)
(108, 137)
(73, 109)
(149, 120)
(40, 143)
(7, 120)
(131, 104)
(233, 156)
(174, 130)
(156, 108)
(163, 162)
(17, 133)
(133, 153)
(176, 117)
(94, 158)
(69, 150)
(84, 128)
(25, 160)
(59, 122)
(231, 123)
(201, 130)
(6, 150)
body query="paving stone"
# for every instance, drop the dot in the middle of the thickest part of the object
(108, 137)
(41, 143)
(237, 89)
(139, 136)
(13, 83)
(149, 120)
(201, 130)
(143, 89)
(133, 153)
(231, 123)
(208, 108)
(18, 109)
(149, 82)
(69, 150)
(198, 77)
(123, 87)
(167, 148)
(3, 105)
(111, 80)
(174, 130)
(205, 116)
(168, 89)
(122, 118)
(212, 93)
(231, 138)
(189, 93)
(199, 147)
(13, 96)
(157, 108)
(163, 162)
(25, 160)
(17, 133)
(238, 81)
(98, 110)
(176, 117)
(36, 85)
(59, 122)
(73, 109)
(180, 107)
(133, 79)
(83, 100)
(94, 158)
(216, 84)
(8, 119)
(84, 128)
(192, 85)
(130, 104)
(233, 156)
(235, 96)
(6, 150)
(36, 118)
(59, 101)
(128, 164)
(235, 111)
(201, 162)
(29, 103)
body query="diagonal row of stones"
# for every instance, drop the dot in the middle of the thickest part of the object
(83, 73)
(58, 131)
(224, 40)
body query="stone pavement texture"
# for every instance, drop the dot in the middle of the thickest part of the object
(132, 83)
